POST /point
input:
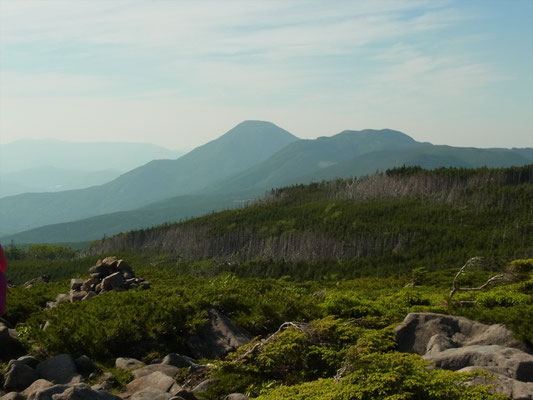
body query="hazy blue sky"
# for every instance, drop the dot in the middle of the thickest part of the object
(180, 73)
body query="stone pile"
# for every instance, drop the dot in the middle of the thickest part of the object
(65, 378)
(108, 274)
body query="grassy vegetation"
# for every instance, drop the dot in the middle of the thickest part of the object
(343, 309)
(345, 324)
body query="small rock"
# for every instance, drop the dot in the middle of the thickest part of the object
(205, 385)
(75, 284)
(166, 369)
(84, 392)
(236, 396)
(156, 380)
(77, 296)
(37, 386)
(85, 365)
(19, 376)
(59, 369)
(12, 396)
(126, 363)
(62, 297)
(89, 295)
(151, 394)
(218, 337)
(186, 395)
(179, 361)
(113, 281)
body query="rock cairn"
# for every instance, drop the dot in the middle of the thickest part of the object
(108, 274)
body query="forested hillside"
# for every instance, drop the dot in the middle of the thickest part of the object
(398, 219)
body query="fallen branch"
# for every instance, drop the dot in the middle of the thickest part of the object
(472, 262)
(286, 325)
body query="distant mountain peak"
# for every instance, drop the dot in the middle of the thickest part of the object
(259, 129)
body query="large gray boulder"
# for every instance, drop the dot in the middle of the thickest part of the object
(417, 329)
(19, 376)
(12, 396)
(47, 392)
(503, 385)
(60, 369)
(37, 386)
(459, 344)
(218, 337)
(166, 369)
(84, 392)
(506, 361)
(157, 380)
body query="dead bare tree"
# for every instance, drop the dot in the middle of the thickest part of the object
(474, 261)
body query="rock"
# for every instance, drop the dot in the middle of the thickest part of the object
(89, 295)
(113, 281)
(126, 363)
(180, 361)
(439, 343)
(111, 261)
(236, 396)
(205, 385)
(151, 394)
(218, 337)
(27, 359)
(59, 369)
(157, 380)
(47, 393)
(62, 297)
(9, 345)
(19, 376)
(90, 284)
(506, 361)
(166, 369)
(107, 382)
(75, 284)
(77, 296)
(414, 334)
(186, 395)
(38, 385)
(39, 279)
(503, 385)
(12, 396)
(85, 365)
(125, 269)
(84, 392)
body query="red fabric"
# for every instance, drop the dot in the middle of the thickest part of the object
(3, 293)
(3, 261)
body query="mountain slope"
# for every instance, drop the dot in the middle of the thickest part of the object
(235, 151)
(51, 179)
(307, 156)
(406, 216)
(169, 210)
(426, 155)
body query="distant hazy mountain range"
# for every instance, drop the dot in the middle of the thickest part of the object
(235, 168)
(53, 165)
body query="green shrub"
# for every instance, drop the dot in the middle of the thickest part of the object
(501, 298)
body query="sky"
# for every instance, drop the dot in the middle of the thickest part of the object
(181, 73)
